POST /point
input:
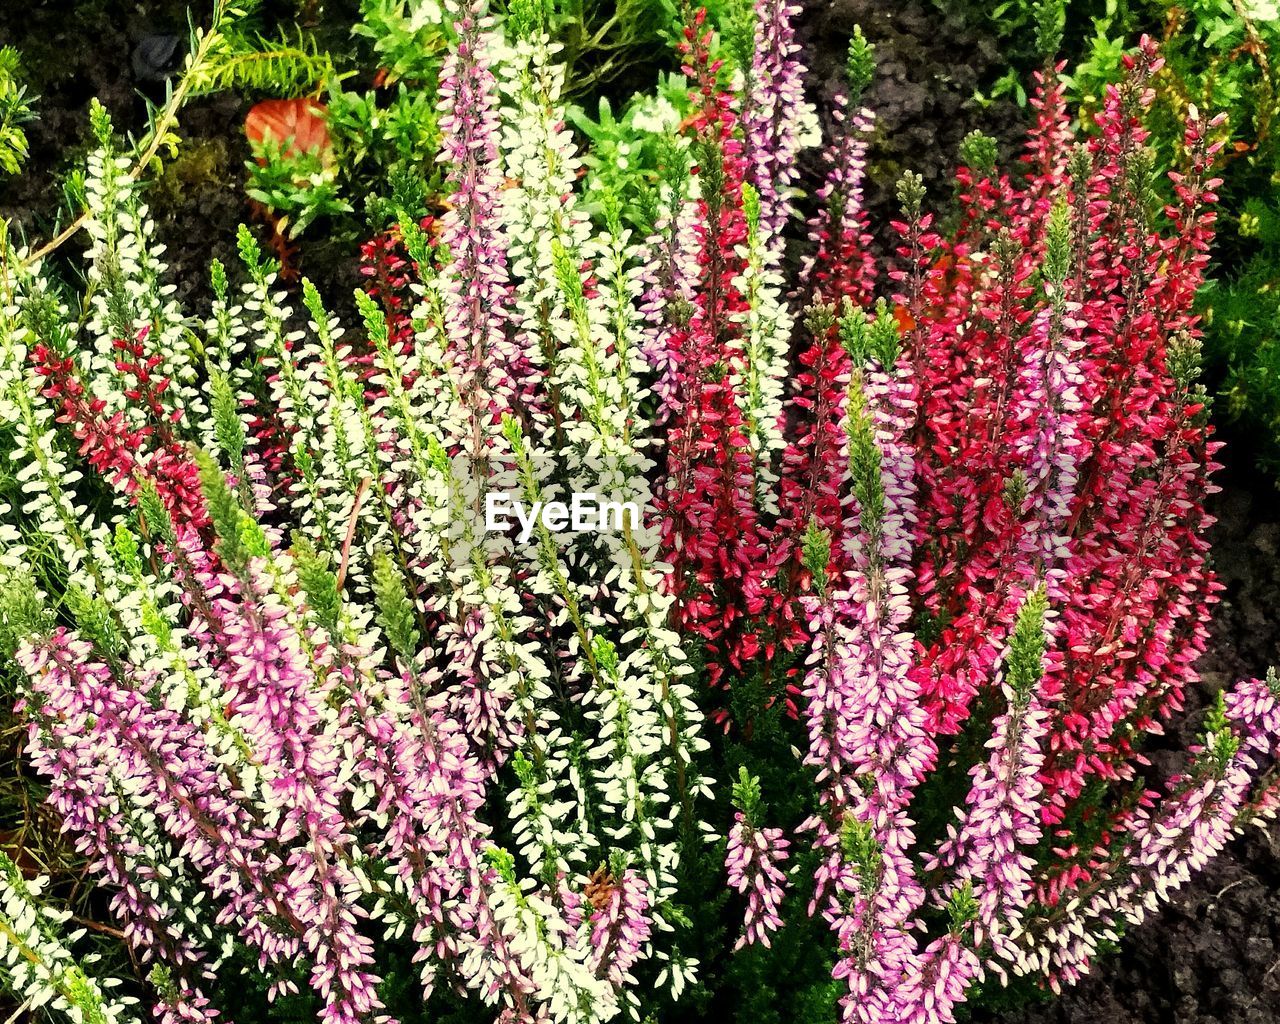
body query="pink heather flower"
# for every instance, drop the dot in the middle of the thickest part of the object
(1000, 818)
(429, 788)
(841, 266)
(1051, 405)
(752, 859)
(873, 907)
(773, 110)
(288, 905)
(938, 984)
(670, 278)
(866, 721)
(478, 297)
(1254, 706)
(151, 890)
(482, 712)
(620, 928)
(1165, 843)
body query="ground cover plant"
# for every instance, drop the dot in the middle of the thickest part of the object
(851, 720)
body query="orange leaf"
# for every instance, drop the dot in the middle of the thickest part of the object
(297, 126)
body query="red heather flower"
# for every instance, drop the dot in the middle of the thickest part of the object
(1061, 441)
(810, 488)
(388, 271)
(1169, 839)
(988, 484)
(711, 533)
(125, 454)
(839, 231)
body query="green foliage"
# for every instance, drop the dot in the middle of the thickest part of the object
(746, 795)
(630, 155)
(635, 154)
(201, 165)
(227, 427)
(1242, 318)
(602, 40)
(387, 132)
(860, 65)
(93, 618)
(962, 908)
(1057, 259)
(395, 610)
(1025, 664)
(979, 152)
(15, 111)
(816, 548)
(291, 63)
(1220, 743)
(298, 187)
(240, 537)
(408, 38)
(318, 582)
(22, 613)
(375, 134)
(391, 134)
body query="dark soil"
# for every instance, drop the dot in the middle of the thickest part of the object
(929, 65)
(73, 53)
(1211, 959)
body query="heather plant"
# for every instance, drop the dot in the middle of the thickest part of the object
(1224, 58)
(1219, 57)
(849, 720)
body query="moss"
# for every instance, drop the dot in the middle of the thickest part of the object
(202, 165)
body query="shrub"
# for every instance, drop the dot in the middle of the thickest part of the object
(1219, 57)
(309, 718)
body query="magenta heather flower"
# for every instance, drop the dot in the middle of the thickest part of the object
(867, 723)
(478, 292)
(670, 277)
(937, 984)
(286, 906)
(752, 859)
(1166, 841)
(152, 886)
(1051, 405)
(841, 265)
